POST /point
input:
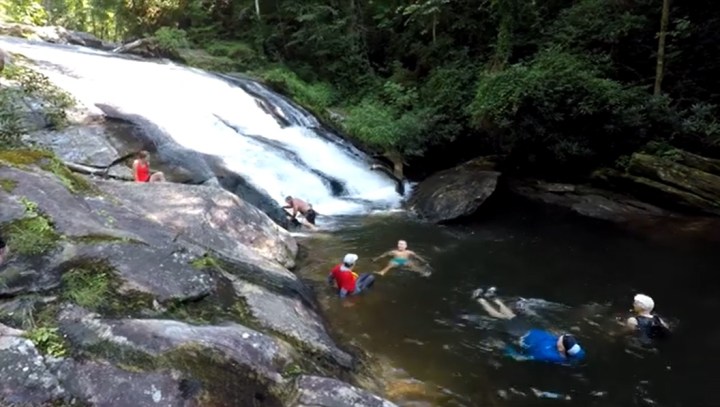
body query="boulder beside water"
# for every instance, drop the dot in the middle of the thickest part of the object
(456, 192)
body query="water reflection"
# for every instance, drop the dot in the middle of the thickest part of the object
(571, 274)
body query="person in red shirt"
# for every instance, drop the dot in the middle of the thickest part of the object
(348, 282)
(141, 169)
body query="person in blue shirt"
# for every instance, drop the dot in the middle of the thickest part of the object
(534, 344)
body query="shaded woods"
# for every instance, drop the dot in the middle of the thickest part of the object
(558, 87)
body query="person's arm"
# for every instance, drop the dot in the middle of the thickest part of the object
(631, 323)
(382, 255)
(135, 171)
(511, 352)
(331, 277)
(417, 256)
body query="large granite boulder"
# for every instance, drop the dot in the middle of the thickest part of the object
(456, 192)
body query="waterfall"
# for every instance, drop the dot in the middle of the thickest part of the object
(220, 116)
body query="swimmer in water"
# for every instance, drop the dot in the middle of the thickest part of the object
(400, 257)
(349, 282)
(650, 326)
(536, 344)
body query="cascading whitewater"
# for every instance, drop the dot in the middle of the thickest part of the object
(213, 115)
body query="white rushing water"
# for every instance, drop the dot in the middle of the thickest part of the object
(190, 106)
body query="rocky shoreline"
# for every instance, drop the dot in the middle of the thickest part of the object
(173, 294)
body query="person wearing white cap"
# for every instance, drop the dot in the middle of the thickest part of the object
(649, 325)
(348, 282)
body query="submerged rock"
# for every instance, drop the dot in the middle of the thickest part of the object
(456, 192)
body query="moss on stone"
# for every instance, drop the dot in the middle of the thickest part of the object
(47, 161)
(23, 157)
(93, 284)
(8, 185)
(33, 234)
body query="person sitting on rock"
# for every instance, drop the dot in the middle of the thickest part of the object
(3, 251)
(348, 282)
(141, 169)
(305, 209)
(648, 325)
(400, 257)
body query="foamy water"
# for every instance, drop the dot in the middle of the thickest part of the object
(195, 109)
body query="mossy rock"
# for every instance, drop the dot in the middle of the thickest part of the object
(47, 161)
(93, 284)
(32, 235)
(8, 185)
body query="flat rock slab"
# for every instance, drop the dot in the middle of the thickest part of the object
(291, 317)
(314, 391)
(84, 144)
(209, 216)
(104, 385)
(262, 355)
(69, 213)
(455, 192)
(162, 271)
(25, 379)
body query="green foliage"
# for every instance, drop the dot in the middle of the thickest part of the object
(171, 39)
(86, 287)
(25, 11)
(33, 234)
(28, 86)
(558, 110)
(560, 85)
(316, 96)
(7, 185)
(48, 341)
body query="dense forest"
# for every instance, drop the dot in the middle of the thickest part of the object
(556, 87)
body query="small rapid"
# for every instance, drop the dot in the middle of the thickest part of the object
(220, 116)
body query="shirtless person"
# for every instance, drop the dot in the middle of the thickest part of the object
(299, 206)
(141, 169)
(400, 257)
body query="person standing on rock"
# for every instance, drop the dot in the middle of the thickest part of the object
(348, 282)
(305, 209)
(141, 169)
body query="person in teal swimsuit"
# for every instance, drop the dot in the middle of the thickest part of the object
(400, 257)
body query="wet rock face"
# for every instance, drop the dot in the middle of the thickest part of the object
(224, 322)
(456, 192)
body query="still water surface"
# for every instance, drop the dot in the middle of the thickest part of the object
(583, 275)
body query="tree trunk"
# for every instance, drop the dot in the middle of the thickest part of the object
(434, 26)
(257, 8)
(660, 68)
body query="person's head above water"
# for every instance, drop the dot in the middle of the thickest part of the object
(402, 245)
(643, 303)
(568, 346)
(350, 259)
